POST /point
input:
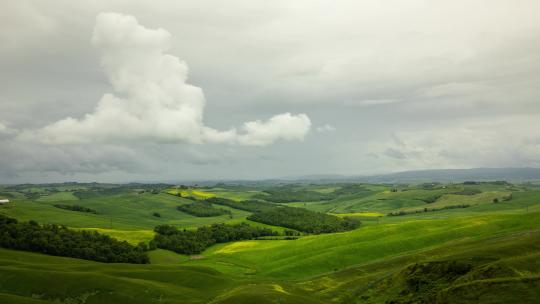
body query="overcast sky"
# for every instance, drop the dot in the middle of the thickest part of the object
(119, 91)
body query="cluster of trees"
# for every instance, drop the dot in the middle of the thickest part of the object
(288, 232)
(151, 191)
(293, 218)
(292, 193)
(60, 241)
(76, 208)
(196, 241)
(202, 209)
(399, 213)
(499, 182)
(31, 195)
(504, 199)
(304, 220)
(431, 199)
(249, 205)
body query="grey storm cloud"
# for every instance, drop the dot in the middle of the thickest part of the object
(388, 86)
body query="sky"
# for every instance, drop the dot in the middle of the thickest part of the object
(149, 91)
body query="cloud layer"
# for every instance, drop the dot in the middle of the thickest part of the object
(152, 100)
(485, 143)
(411, 85)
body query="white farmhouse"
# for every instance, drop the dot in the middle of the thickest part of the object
(4, 201)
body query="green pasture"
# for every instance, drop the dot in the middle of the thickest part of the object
(127, 211)
(312, 255)
(498, 242)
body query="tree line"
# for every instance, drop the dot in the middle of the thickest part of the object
(248, 205)
(292, 193)
(75, 208)
(400, 213)
(61, 241)
(196, 241)
(304, 220)
(179, 194)
(431, 199)
(202, 209)
(289, 217)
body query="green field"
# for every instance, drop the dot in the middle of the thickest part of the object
(486, 253)
(125, 211)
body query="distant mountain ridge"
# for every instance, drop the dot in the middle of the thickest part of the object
(417, 176)
(435, 175)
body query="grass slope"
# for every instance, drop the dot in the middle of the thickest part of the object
(502, 269)
(53, 279)
(403, 259)
(312, 255)
(126, 211)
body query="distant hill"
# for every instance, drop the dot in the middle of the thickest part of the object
(438, 175)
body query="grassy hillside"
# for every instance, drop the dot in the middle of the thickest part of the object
(486, 253)
(506, 259)
(53, 279)
(498, 269)
(312, 255)
(125, 211)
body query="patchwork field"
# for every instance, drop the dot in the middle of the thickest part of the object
(487, 252)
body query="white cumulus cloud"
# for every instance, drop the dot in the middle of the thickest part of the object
(152, 99)
(283, 126)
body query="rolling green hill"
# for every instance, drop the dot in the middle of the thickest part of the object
(47, 279)
(125, 211)
(486, 253)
